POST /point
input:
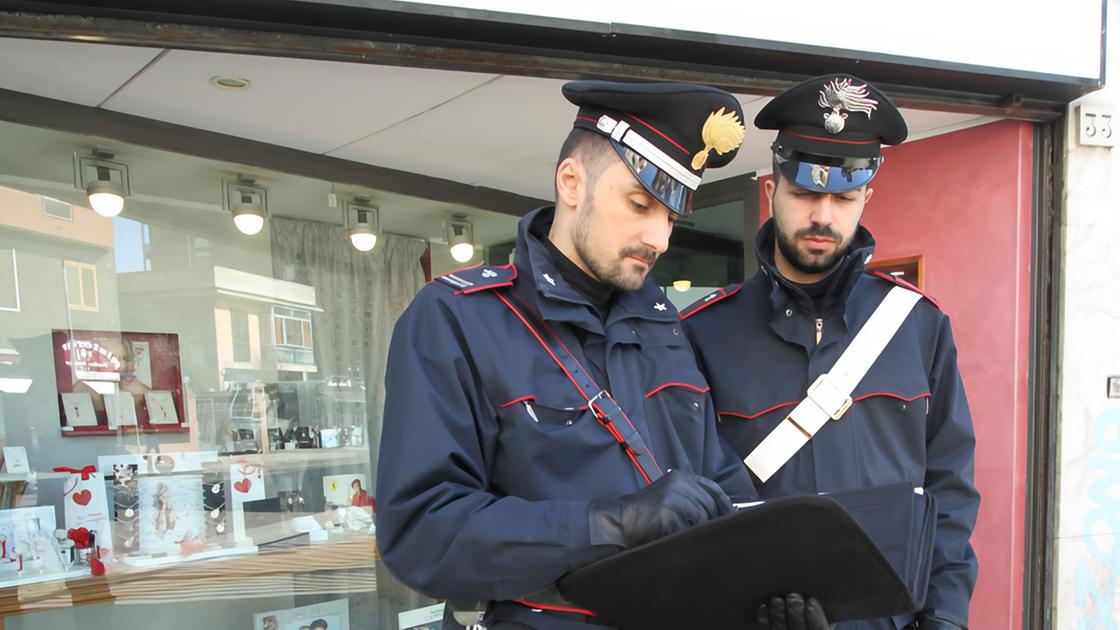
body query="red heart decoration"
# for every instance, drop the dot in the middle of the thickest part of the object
(80, 536)
(83, 497)
(243, 486)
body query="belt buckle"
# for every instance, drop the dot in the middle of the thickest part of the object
(826, 395)
(605, 395)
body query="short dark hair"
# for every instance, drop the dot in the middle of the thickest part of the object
(591, 148)
(319, 623)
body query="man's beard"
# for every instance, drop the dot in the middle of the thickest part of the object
(609, 272)
(800, 260)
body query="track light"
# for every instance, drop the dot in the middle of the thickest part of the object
(105, 181)
(364, 220)
(247, 202)
(460, 237)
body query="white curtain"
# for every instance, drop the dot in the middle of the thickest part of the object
(361, 293)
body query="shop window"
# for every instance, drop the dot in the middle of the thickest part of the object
(57, 209)
(9, 280)
(81, 285)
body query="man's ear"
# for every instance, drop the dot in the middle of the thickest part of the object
(867, 194)
(768, 187)
(570, 180)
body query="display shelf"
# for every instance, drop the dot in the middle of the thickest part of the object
(277, 461)
(263, 574)
(68, 431)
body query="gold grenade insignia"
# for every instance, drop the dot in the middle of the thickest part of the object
(722, 132)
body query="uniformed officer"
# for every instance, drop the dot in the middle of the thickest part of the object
(763, 343)
(545, 414)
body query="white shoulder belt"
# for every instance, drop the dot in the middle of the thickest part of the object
(831, 395)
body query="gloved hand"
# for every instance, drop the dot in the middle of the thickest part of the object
(793, 612)
(677, 500)
(930, 620)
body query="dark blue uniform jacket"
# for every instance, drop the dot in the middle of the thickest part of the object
(489, 456)
(756, 343)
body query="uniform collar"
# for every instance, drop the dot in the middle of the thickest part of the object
(784, 293)
(540, 280)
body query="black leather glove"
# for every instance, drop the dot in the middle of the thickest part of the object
(792, 612)
(677, 500)
(930, 620)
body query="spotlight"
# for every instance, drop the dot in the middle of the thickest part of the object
(364, 220)
(682, 285)
(247, 202)
(105, 181)
(460, 236)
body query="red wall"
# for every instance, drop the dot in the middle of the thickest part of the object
(963, 201)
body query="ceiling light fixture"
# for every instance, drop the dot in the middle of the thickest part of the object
(364, 220)
(682, 285)
(247, 202)
(105, 181)
(459, 234)
(230, 83)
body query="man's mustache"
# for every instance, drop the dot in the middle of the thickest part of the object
(643, 253)
(818, 230)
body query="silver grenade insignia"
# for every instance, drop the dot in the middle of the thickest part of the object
(840, 96)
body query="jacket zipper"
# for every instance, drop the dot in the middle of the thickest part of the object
(820, 330)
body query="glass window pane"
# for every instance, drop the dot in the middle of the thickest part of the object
(9, 281)
(226, 388)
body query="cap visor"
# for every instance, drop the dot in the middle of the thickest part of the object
(669, 191)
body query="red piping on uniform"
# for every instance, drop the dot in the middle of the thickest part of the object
(517, 400)
(658, 132)
(578, 611)
(726, 294)
(588, 119)
(617, 436)
(761, 413)
(832, 139)
(854, 400)
(483, 287)
(890, 395)
(694, 388)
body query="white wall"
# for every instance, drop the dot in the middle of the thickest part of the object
(1087, 588)
(1044, 36)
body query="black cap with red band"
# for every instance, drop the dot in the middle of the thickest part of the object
(830, 129)
(666, 133)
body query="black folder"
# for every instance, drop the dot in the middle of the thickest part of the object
(864, 554)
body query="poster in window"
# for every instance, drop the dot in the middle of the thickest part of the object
(171, 513)
(110, 367)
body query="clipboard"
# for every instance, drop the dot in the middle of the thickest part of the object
(864, 554)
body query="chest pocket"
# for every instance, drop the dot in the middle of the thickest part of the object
(676, 390)
(543, 416)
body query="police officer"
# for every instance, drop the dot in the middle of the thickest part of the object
(545, 414)
(763, 343)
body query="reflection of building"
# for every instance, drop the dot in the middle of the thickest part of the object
(56, 271)
(250, 327)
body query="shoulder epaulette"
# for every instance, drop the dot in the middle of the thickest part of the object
(904, 284)
(479, 278)
(708, 300)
